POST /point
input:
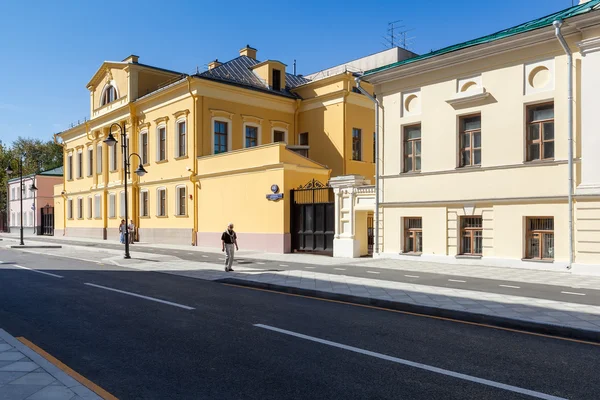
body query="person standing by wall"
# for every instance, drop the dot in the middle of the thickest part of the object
(228, 241)
(122, 228)
(131, 228)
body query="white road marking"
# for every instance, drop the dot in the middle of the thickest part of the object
(510, 286)
(309, 267)
(191, 254)
(39, 272)
(140, 296)
(411, 276)
(413, 364)
(260, 263)
(283, 265)
(372, 272)
(340, 269)
(457, 280)
(576, 294)
(204, 256)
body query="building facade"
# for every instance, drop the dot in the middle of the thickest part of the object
(475, 148)
(225, 145)
(33, 201)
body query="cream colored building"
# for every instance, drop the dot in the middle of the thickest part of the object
(474, 148)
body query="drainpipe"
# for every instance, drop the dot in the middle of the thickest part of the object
(557, 25)
(377, 106)
(194, 172)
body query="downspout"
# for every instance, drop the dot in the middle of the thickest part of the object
(194, 172)
(377, 106)
(557, 25)
(64, 191)
(296, 113)
(346, 93)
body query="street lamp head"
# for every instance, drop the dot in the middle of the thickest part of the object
(140, 171)
(33, 187)
(110, 140)
(9, 170)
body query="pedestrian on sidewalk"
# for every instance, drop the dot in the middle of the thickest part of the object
(229, 240)
(131, 229)
(122, 229)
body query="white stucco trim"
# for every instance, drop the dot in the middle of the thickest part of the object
(142, 133)
(181, 120)
(142, 203)
(177, 203)
(158, 190)
(284, 130)
(212, 130)
(157, 141)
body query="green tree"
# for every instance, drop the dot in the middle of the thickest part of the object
(38, 155)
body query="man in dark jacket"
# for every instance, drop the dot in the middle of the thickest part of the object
(229, 240)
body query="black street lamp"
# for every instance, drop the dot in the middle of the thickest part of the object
(140, 171)
(9, 172)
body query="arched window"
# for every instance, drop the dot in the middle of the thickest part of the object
(108, 95)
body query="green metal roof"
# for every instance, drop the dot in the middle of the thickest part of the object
(526, 27)
(51, 172)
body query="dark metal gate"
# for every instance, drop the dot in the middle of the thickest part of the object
(312, 218)
(47, 220)
(370, 234)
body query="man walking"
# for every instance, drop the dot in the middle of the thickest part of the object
(228, 240)
(131, 229)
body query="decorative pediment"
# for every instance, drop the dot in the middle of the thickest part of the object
(221, 113)
(252, 119)
(144, 125)
(279, 124)
(469, 97)
(182, 113)
(161, 120)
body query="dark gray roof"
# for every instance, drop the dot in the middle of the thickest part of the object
(238, 72)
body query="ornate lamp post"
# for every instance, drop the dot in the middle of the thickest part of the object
(140, 171)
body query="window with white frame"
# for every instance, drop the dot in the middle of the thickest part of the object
(161, 143)
(90, 208)
(279, 135)
(144, 147)
(112, 204)
(144, 203)
(70, 167)
(97, 206)
(79, 208)
(70, 208)
(161, 202)
(251, 137)
(90, 161)
(99, 159)
(181, 138)
(221, 137)
(80, 164)
(122, 204)
(114, 157)
(13, 219)
(108, 95)
(13, 192)
(180, 203)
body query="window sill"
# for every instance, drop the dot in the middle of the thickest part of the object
(182, 216)
(534, 260)
(162, 216)
(466, 256)
(182, 157)
(162, 161)
(410, 173)
(81, 177)
(544, 161)
(144, 217)
(412, 254)
(98, 218)
(112, 217)
(467, 167)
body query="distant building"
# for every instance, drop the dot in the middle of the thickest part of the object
(33, 201)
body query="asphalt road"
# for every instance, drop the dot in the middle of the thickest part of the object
(550, 292)
(201, 341)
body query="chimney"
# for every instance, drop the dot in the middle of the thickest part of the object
(248, 52)
(132, 59)
(214, 64)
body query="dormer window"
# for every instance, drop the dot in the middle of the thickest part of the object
(276, 79)
(109, 95)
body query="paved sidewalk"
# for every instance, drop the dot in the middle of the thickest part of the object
(557, 316)
(25, 375)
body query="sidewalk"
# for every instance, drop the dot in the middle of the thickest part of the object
(536, 314)
(25, 375)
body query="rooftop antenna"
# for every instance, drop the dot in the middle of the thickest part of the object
(396, 36)
(294, 67)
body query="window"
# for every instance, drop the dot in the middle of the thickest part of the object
(356, 144)
(109, 95)
(181, 200)
(412, 148)
(303, 139)
(251, 136)
(114, 157)
(470, 141)
(13, 195)
(80, 165)
(144, 203)
(162, 143)
(471, 236)
(540, 238)
(144, 147)
(99, 159)
(25, 219)
(276, 79)
(90, 161)
(13, 219)
(70, 167)
(89, 213)
(220, 137)
(97, 205)
(70, 208)
(80, 208)
(122, 204)
(181, 139)
(278, 136)
(161, 203)
(112, 200)
(413, 235)
(540, 132)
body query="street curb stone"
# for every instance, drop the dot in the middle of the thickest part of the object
(501, 322)
(35, 247)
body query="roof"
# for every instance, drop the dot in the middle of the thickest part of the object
(526, 27)
(238, 72)
(52, 173)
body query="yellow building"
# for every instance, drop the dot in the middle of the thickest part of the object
(475, 148)
(215, 144)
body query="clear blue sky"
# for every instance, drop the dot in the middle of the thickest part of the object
(50, 49)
